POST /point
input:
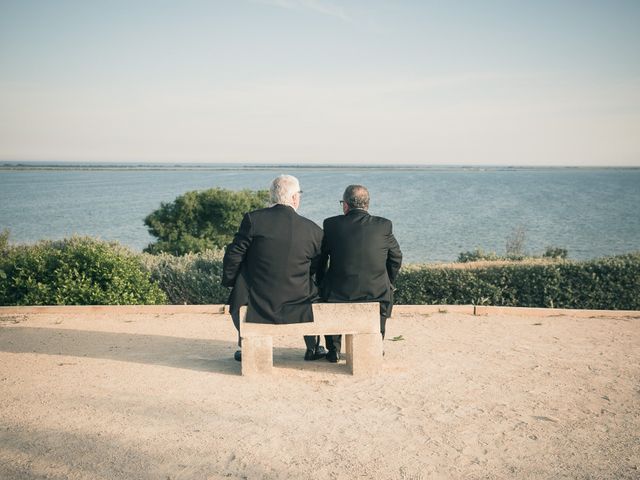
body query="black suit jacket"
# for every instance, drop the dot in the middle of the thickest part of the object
(360, 259)
(270, 265)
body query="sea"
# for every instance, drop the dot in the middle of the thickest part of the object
(437, 211)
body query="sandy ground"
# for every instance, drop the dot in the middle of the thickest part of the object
(160, 397)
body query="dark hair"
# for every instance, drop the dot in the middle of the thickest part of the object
(356, 196)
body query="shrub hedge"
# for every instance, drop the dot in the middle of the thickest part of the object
(87, 271)
(611, 283)
(193, 278)
(76, 271)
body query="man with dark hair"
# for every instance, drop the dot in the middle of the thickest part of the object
(271, 262)
(360, 260)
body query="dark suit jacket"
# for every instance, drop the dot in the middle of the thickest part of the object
(360, 259)
(270, 264)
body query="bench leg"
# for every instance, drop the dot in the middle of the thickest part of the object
(257, 355)
(348, 353)
(366, 353)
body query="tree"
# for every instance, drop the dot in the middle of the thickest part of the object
(201, 220)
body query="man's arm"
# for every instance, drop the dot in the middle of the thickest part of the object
(394, 255)
(236, 253)
(323, 259)
(316, 266)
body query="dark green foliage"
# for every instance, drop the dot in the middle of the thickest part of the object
(514, 250)
(4, 239)
(76, 271)
(201, 220)
(555, 252)
(90, 272)
(611, 283)
(189, 279)
(477, 255)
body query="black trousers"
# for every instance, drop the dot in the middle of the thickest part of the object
(311, 341)
(335, 341)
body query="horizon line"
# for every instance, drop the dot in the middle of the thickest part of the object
(173, 164)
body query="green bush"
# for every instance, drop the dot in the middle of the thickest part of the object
(76, 271)
(477, 255)
(555, 252)
(611, 283)
(201, 220)
(4, 239)
(190, 279)
(87, 271)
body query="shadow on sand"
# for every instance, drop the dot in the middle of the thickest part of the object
(292, 358)
(193, 354)
(204, 355)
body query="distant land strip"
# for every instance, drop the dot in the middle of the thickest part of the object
(53, 166)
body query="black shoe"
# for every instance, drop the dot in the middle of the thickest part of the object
(238, 356)
(316, 354)
(333, 356)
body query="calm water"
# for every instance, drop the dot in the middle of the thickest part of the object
(437, 212)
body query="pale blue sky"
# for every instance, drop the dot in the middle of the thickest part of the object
(315, 81)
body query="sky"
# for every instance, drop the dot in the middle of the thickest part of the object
(321, 81)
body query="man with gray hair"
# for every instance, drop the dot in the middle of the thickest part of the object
(360, 259)
(271, 263)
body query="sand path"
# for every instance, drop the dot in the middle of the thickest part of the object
(160, 397)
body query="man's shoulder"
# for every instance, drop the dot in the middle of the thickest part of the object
(273, 211)
(283, 210)
(332, 223)
(261, 211)
(382, 225)
(335, 219)
(381, 220)
(347, 219)
(267, 216)
(309, 229)
(309, 223)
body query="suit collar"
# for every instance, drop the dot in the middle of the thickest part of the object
(280, 206)
(356, 212)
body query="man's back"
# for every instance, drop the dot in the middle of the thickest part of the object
(360, 259)
(274, 254)
(363, 256)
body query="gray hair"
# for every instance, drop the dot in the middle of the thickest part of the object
(356, 196)
(283, 188)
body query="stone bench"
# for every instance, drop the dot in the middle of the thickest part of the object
(359, 322)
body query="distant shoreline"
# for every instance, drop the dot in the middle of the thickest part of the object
(142, 166)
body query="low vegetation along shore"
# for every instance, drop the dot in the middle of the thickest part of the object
(86, 271)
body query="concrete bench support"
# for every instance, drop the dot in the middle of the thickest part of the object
(257, 355)
(359, 322)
